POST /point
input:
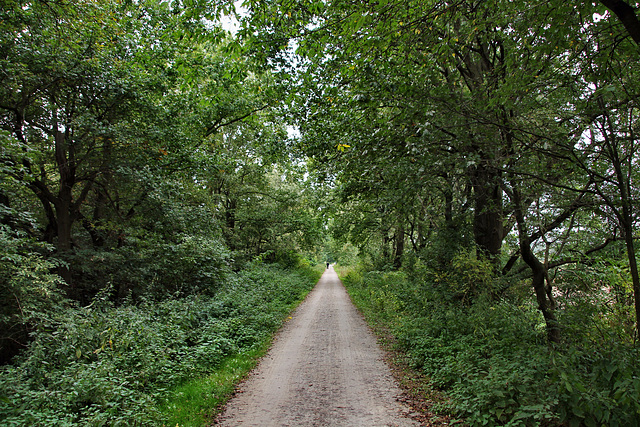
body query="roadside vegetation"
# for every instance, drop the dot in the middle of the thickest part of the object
(484, 160)
(170, 362)
(166, 185)
(151, 219)
(486, 354)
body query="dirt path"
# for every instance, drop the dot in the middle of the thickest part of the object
(324, 369)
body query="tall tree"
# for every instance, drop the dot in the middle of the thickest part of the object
(103, 100)
(395, 95)
(71, 75)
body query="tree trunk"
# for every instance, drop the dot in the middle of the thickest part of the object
(625, 218)
(635, 279)
(538, 271)
(626, 223)
(63, 203)
(93, 225)
(545, 304)
(488, 213)
(64, 222)
(399, 247)
(385, 246)
(627, 16)
(230, 212)
(448, 206)
(625, 215)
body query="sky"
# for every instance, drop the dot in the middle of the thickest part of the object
(230, 23)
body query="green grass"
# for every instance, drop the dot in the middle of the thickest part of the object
(198, 401)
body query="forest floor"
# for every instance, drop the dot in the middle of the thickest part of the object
(326, 368)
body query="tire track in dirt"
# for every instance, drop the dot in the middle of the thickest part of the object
(324, 369)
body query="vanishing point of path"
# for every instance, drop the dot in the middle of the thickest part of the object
(324, 369)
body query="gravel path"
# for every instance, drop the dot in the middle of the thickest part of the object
(324, 369)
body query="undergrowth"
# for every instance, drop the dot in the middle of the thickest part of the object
(129, 364)
(489, 353)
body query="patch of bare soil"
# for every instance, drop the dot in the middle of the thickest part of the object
(324, 369)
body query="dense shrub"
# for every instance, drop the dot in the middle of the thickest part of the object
(109, 365)
(488, 349)
(598, 387)
(150, 267)
(29, 289)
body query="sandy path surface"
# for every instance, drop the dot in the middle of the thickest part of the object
(324, 369)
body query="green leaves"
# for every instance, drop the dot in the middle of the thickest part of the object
(113, 365)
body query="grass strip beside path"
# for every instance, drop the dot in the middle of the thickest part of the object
(198, 401)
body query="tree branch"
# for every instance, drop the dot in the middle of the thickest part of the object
(220, 124)
(627, 16)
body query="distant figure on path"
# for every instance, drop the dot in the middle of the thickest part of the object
(327, 264)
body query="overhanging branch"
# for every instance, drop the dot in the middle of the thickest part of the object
(627, 16)
(221, 123)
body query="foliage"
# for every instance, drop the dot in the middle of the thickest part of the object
(598, 387)
(106, 364)
(152, 268)
(472, 151)
(28, 288)
(141, 149)
(118, 123)
(491, 357)
(487, 121)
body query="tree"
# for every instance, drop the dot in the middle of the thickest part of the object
(398, 97)
(259, 197)
(103, 102)
(73, 76)
(607, 149)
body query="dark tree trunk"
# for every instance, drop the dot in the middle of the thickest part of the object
(64, 222)
(627, 16)
(624, 213)
(448, 207)
(543, 293)
(230, 213)
(488, 212)
(635, 279)
(63, 203)
(625, 218)
(399, 247)
(385, 246)
(93, 226)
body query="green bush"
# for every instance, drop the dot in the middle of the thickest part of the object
(597, 388)
(151, 267)
(488, 350)
(110, 365)
(29, 289)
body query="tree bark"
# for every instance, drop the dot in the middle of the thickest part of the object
(538, 271)
(63, 203)
(627, 16)
(635, 278)
(385, 246)
(488, 212)
(399, 247)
